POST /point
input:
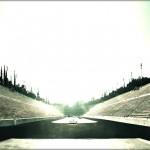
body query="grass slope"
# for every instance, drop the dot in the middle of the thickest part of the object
(13, 104)
(134, 104)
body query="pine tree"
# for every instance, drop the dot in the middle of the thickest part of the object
(4, 76)
(1, 76)
(14, 79)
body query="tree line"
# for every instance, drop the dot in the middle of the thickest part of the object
(14, 86)
(80, 108)
(134, 84)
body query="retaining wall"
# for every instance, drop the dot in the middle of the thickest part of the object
(130, 120)
(17, 121)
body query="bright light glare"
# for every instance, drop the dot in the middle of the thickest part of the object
(73, 50)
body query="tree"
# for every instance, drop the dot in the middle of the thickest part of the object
(1, 76)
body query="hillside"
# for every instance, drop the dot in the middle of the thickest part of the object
(135, 103)
(13, 104)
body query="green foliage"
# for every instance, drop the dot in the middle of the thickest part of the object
(134, 84)
(4, 81)
(76, 110)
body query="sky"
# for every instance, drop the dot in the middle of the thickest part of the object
(74, 51)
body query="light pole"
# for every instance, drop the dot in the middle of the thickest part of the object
(131, 76)
(141, 67)
(123, 82)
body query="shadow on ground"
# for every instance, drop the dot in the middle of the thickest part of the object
(101, 129)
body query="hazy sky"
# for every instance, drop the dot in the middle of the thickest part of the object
(75, 50)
